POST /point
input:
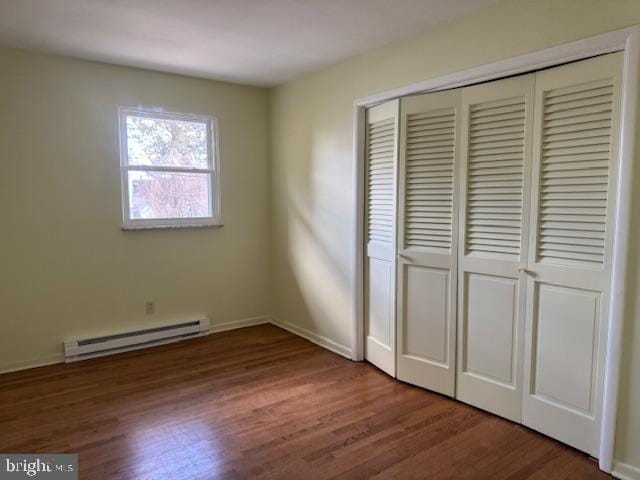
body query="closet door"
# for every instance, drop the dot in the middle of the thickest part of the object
(496, 149)
(427, 236)
(575, 153)
(380, 292)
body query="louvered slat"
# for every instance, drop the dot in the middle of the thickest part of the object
(429, 178)
(574, 173)
(381, 188)
(495, 176)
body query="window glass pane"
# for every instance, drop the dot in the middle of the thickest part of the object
(169, 143)
(168, 195)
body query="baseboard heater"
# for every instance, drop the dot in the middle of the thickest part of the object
(75, 350)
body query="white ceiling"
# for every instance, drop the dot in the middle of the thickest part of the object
(258, 42)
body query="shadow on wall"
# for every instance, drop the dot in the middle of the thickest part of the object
(318, 253)
(312, 186)
(322, 278)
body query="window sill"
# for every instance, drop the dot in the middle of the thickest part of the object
(132, 228)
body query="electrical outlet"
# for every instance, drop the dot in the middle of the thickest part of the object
(150, 307)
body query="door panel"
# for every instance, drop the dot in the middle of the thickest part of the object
(497, 122)
(427, 240)
(380, 294)
(490, 327)
(380, 301)
(575, 153)
(566, 326)
(427, 292)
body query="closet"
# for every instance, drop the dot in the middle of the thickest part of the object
(489, 227)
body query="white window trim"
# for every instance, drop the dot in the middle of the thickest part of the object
(213, 154)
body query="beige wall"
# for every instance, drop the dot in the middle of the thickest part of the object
(67, 269)
(311, 161)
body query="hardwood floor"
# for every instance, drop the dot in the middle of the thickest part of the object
(262, 403)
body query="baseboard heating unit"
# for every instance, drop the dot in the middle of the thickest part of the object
(75, 350)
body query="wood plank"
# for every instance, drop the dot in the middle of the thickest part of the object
(262, 403)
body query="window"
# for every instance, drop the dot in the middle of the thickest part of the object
(169, 169)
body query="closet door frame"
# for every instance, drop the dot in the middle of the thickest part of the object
(626, 40)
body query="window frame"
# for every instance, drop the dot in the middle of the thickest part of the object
(213, 169)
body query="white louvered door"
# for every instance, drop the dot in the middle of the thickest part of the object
(575, 152)
(497, 120)
(505, 207)
(381, 151)
(427, 240)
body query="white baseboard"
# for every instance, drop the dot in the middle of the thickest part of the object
(624, 471)
(222, 327)
(59, 358)
(27, 364)
(314, 337)
(234, 324)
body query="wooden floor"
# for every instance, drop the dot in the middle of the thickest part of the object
(262, 403)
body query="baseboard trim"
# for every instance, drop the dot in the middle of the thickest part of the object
(324, 342)
(242, 323)
(624, 471)
(27, 364)
(320, 340)
(59, 358)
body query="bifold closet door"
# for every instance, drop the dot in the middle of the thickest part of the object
(497, 120)
(575, 166)
(381, 152)
(427, 239)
